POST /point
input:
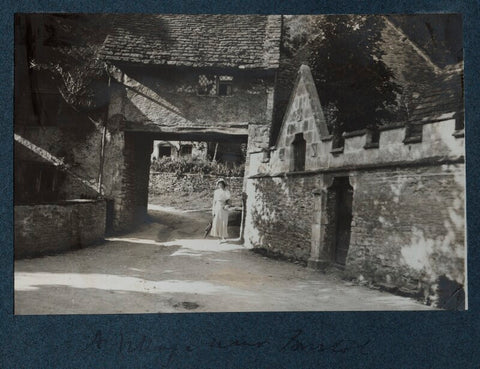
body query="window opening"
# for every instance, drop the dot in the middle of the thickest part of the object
(213, 85)
(207, 85)
(164, 151)
(299, 151)
(373, 138)
(186, 150)
(225, 85)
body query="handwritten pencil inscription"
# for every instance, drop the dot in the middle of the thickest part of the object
(293, 342)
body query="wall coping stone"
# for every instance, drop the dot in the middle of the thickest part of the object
(371, 145)
(459, 133)
(70, 202)
(196, 174)
(433, 161)
(359, 132)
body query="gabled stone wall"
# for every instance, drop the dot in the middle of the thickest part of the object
(408, 212)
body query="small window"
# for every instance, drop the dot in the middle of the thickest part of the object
(164, 151)
(224, 89)
(460, 115)
(225, 85)
(299, 151)
(213, 85)
(207, 85)
(186, 150)
(459, 121)
(338, 141)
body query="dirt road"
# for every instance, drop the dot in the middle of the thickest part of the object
(166, 266)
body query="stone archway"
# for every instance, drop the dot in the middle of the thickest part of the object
(129, 190)
(333, 202)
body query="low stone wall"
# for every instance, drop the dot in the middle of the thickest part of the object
(167, 183)
(43, 229)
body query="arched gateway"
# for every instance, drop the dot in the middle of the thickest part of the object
(170, 87)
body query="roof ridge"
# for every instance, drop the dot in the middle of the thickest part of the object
(249, 41)
(418, 50)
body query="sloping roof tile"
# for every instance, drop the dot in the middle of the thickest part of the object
(231, 41)
(430, 91)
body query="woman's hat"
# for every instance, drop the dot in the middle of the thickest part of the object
(220, 180)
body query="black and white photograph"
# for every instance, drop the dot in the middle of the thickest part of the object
(192, 163)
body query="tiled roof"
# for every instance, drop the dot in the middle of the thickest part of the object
(230, 41)
(437, 98)
(430, 92)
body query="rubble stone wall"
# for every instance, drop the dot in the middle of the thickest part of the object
(184, 184)
(170, 98)
(280, 215)
(408, 211)
(407, 230)
(41, 229)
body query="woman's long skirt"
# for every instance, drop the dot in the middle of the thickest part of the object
(220, 223)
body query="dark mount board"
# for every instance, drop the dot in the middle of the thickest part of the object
(244, 340)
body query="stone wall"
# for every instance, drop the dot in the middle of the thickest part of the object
(184, 184)
(407, 231)
(169, 98)
(280, 214)
(304, 115)
(82, 155)
(43, 229)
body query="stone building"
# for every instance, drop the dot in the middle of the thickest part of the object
(172, 86)
(386, 208)
(163, 84)
(228, 153)
(391, 213)
(178, 149)
(57, 155)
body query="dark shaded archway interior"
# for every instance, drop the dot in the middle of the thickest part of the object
(138, 149)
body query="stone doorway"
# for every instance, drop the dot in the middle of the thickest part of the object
(339, 210)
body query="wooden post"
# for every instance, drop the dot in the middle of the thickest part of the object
(215, 153)
(242, 221)
(102, 159)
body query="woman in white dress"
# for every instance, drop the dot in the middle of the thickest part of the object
(221, 196)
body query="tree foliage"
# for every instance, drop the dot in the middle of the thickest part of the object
(356, 89)
(66, 46)
(351, 78)
(193, 165)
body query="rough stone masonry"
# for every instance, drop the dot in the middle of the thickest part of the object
(406, 223)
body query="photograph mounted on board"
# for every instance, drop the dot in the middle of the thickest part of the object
(237, 163)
